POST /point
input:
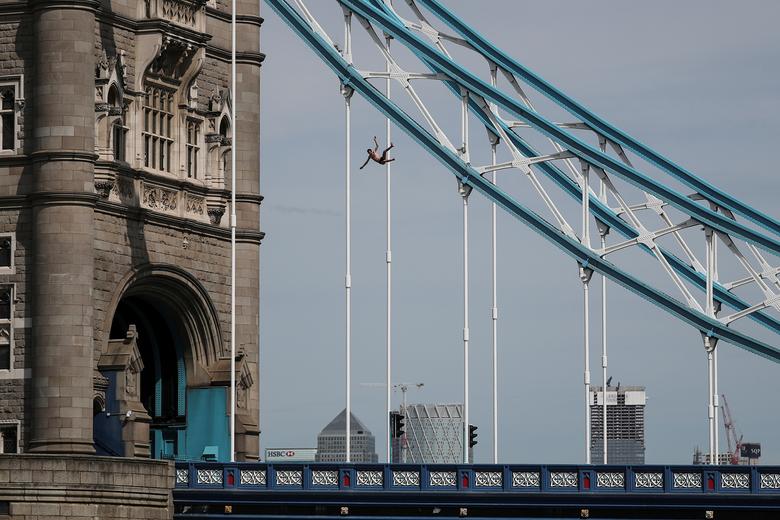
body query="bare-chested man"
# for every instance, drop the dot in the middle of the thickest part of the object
(372, 154)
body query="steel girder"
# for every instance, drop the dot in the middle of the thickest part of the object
(375, 12)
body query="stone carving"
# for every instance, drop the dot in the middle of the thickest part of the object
(173, 58)
(195, 204)
(103, 187)
(241, 393)
(123, 188)
(215, 214)
(160, 198)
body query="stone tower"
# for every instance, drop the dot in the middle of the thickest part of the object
(115, 148)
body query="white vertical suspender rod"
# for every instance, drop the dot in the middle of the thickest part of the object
(347, 92)
(464, 192)
(715, 394)
(233, 150)
(388, 262)
(585, 275)
(603, 232)
(709, 345)
(494, 309)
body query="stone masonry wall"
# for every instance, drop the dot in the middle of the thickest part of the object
(121, 245)
(42, 487)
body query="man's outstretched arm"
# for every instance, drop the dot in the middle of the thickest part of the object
(376, 144)
(364, 164)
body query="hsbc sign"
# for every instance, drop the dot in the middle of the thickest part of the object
(290, 454)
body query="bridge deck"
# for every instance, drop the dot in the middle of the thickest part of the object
(251, 490)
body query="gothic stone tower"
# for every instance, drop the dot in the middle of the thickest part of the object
(115, 146)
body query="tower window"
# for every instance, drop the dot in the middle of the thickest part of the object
(6, 300)
(9, 438)
(118, 141)
(7, 117)
(193, 135)
(6, 252)
(157, 131)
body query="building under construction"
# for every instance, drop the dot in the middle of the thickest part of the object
(625, 424)
(433, 434)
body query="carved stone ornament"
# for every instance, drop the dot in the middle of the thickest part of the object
(195, 204)
(213, 138)
(123, 188)
(103, 187)
(160, 198)
(215, 214)
(173, 58)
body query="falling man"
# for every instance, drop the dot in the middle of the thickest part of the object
(372, 154)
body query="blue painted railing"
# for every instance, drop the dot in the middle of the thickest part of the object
(510, 478)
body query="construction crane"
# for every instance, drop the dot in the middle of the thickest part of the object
(734, 442)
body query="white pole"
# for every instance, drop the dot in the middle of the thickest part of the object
(494, 310)
(585, 275)
(347, 91)
(465, 327)
(709, 345)
(388, 261)
(233, 150)
(465, 191)
(715, 394)
(603, 232)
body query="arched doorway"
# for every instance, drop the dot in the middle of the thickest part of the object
(175, 338)
(164, 377)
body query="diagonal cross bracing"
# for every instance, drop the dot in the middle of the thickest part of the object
(495, 55)
(469, 176)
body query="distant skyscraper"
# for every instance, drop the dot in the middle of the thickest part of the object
(434, 435)
(625, 425)
(332, 441)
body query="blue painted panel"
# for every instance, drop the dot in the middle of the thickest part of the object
(207, 422)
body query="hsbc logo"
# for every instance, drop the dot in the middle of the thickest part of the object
(280, 453)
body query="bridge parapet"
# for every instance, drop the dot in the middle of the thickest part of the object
(509, 478)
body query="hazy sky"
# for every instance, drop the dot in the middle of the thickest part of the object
(696, 80)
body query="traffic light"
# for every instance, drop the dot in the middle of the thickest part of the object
(397, 425)
(472, 435)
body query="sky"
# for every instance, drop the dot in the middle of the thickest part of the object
(695, 80)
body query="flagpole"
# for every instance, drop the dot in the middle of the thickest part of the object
(234, 134)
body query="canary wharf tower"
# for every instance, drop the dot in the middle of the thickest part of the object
(115, 253)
